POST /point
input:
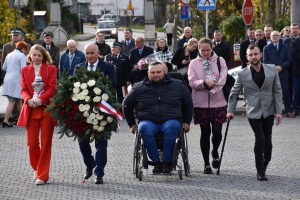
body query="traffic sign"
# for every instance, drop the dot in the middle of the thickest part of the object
(185, 12)
(185, 2)
(248, 12)
(206, 4)
(129, 12)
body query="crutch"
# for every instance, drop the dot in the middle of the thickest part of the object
(218, 172)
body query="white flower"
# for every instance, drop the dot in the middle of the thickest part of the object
(85, 114)
(87, 98)
(87, 107)
(77, 84)
(75, 97)
(97, 91)
(99, 117)
(103, 123)
(80, 96)
(76, 90)
(105, 97)
(109, 119)
(95, 127)
(89, 121)
(91, 83)
(95, 122)
(96, 99)
(85, 92)
(83, 86)
(95, 109)
(100, 129)
(92, 116)
(81, 108)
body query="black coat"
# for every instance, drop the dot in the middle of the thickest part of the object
(103, 48)
(174, 102)
(179, 57)
(134, 59)
(223, 50)
(54, 53)
(243, 51)
(262, 43)
(123, 70)
(295, 51)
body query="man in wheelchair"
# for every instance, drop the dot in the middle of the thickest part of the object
(161, 104)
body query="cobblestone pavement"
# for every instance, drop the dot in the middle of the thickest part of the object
(237, 179)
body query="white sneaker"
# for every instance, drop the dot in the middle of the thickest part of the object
(34, 177)
(40, 182)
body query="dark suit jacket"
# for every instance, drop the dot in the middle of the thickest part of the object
(288, 42)
(243, 52)
(295, 52)
(105, 67)
(281, 57)
(223, 50)
(262, 43)
(54, 53)
(123, 70)
(134, 59)
(127, 49)
(179, 57)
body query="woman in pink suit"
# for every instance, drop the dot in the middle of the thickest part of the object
(38, 123)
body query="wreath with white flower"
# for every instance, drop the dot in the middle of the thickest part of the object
(85, 106)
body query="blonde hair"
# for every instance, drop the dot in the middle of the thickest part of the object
(46, 56)
(190, 42)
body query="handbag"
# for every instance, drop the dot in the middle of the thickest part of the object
(229, 82)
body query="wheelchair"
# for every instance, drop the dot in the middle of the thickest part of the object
(141, 161)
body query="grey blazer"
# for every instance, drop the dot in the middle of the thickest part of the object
(265, 101)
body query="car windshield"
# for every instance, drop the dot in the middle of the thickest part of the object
(106, 25)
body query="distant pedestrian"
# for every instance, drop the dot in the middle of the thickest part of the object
(168, 29)
(39, 124)
(263, 93)
(102, 46)
(51, 48)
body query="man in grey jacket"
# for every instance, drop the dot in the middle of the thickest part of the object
(263, 93)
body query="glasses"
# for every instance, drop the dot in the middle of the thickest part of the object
(288, 30)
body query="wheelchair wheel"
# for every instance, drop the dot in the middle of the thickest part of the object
(184, 154)
(140, 175)
(180, 174)
(136, 155)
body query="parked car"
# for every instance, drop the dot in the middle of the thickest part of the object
(110, 17)
(138, 20)
(110, 28)
(83, 17)
(234, 71)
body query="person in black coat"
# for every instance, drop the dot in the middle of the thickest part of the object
(295, 51)
(140, 51)
(221, 48)
(266, 40)
(51, 48)
(123, 71)
(102, 46)
(245, 44)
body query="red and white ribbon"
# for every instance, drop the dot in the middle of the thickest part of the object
(106, 108)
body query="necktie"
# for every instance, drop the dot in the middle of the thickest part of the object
(251, 41)
(127, 43)
(91, 67)
(48, 48)
(275, 45)
(140, 51)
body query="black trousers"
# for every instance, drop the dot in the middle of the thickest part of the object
(169, 38)
(263, 141)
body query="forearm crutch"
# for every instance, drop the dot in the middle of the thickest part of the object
(218, 172)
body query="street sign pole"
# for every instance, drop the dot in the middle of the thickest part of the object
(206, 24)
(206, 5)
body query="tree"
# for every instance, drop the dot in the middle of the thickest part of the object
(233, 28)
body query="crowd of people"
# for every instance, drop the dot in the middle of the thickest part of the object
(270, 72)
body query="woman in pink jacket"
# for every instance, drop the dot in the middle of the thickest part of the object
(209, 102)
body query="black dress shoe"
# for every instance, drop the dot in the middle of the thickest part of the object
(261, 177)
(99, 180)
(166, 168)
(157, 167)
(4, 124)
(89, 172)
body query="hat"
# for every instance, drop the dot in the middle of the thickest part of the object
(48, 33)
(15, 31)
(117, 44)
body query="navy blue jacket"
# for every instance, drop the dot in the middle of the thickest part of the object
(135, 58)
(105, 67)
(173, 102)
(64, 63)
(295, 51)
(281, 57)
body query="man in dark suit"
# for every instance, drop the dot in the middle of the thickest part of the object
(245, 44)
(278, 53)
(263, 92)
(295, 51)
(140, 51)
(95, 63)
(123, 71)
(187, 34)
(51, 48)
(266, 40)
(295, 34)
(221, 48)
(129, 43)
